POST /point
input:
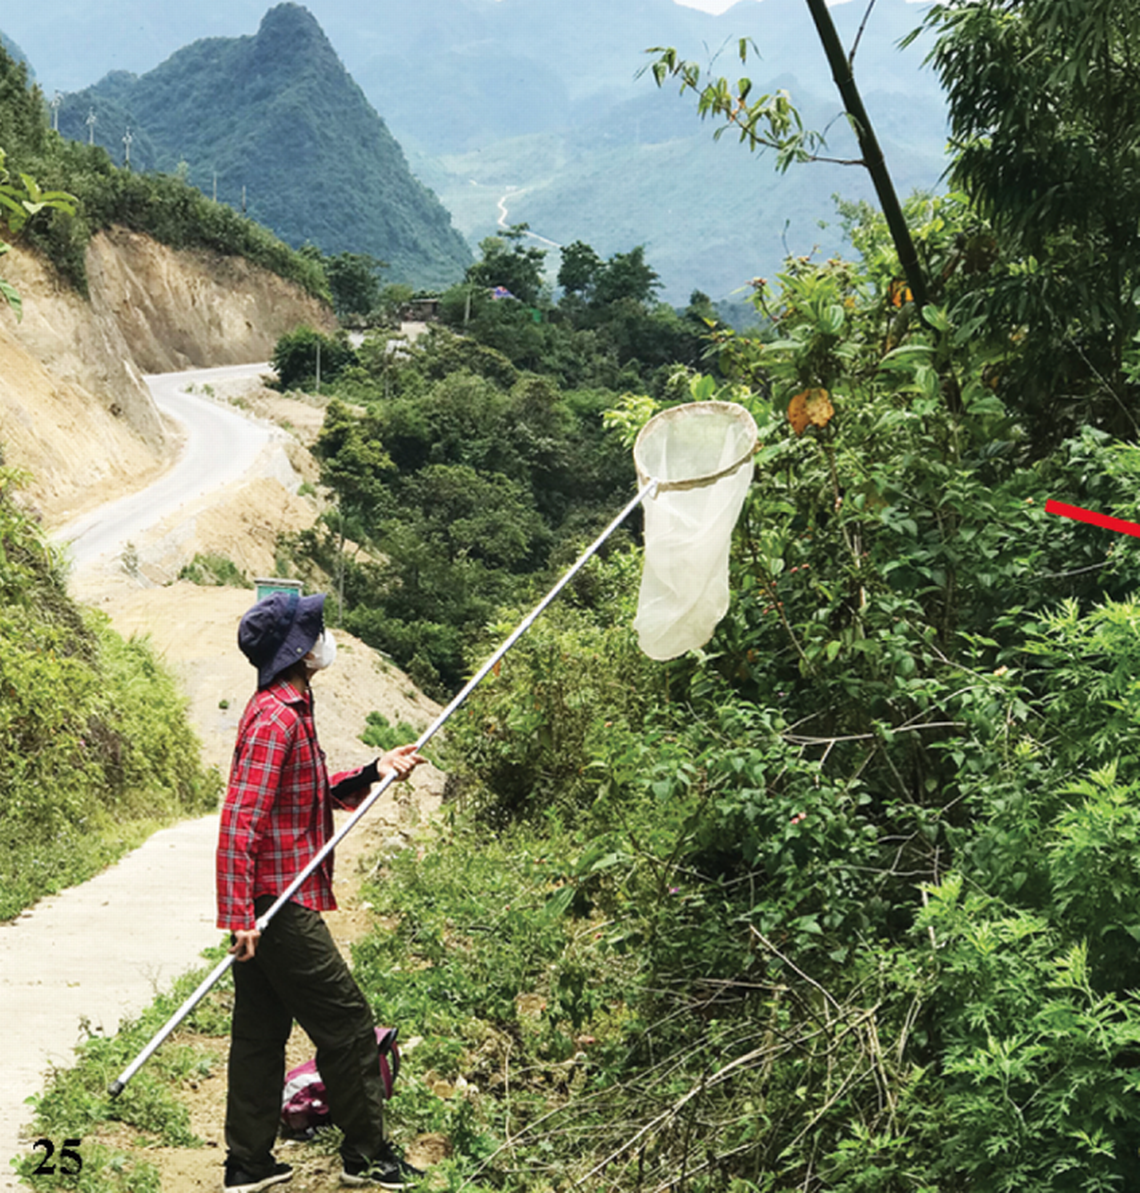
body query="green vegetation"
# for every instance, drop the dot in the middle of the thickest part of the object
(162, 205)
(384, 736)
(95, 747)
(218, 571)
(19, 203)
(1058, 194)
(458, 482)
(305, 357)
(354, 279)
(844, 902)
(470, 466)
(278, 127)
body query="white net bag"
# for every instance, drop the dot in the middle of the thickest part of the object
(700, 454)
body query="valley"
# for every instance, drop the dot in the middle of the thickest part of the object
(480, 95)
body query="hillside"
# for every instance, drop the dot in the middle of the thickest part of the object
(74, 411)
(541, 99)
(275, 120)
(710, 214)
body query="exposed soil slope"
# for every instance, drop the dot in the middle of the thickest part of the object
(74, 411)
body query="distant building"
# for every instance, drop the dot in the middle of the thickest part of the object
(421, 310)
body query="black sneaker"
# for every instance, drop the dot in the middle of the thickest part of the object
(237, 1180)
(386, 1171)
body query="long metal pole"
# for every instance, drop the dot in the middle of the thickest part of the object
(119, 1084)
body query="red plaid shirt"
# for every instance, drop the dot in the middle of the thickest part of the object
(279, 807)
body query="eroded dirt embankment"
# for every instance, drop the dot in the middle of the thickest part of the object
(74, 411)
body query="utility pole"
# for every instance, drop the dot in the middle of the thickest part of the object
(340, 567)
(243, 199)
(92, 120)
(841, 70)
(127, 139)
(56, 100)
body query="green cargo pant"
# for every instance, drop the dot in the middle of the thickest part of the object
(298, 973)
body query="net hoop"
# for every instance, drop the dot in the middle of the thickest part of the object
(734, 421)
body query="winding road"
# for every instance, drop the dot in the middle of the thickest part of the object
(99, 952)
(504, 215)
(220, 447)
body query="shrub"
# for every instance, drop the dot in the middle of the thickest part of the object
(95, 746)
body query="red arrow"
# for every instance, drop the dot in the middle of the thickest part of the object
(1090, 516)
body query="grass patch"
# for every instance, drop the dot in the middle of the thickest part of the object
(214, 571)
(31, 870)
(378, 732)
(75, 1102)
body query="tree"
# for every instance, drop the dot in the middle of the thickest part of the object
(394, 297)
(1044, 110)
(701, 308)
(580, 266)
(508, 264)
(354, 279)
(626, 275)
(305, 354)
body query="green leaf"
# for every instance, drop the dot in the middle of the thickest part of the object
(556, 906)
(833, 319)
(12, 295)
(936, 317)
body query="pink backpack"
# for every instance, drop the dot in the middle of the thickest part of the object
(303, 1105)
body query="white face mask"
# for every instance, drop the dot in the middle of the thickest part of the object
(323, 653)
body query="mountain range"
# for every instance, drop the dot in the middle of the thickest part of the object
(510, 110)
(274, 122)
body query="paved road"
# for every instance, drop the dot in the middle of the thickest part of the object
(99, 952)
(220, 445)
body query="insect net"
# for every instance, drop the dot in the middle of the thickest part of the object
(700, 456)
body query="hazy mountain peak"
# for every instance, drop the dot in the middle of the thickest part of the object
(290, 40)
(290, 19)
(256, 119)
(289, 29)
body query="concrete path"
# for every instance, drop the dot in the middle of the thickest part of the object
(221, 445)
(101, 952)
(98, 952)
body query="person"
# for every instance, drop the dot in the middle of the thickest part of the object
(278, 814)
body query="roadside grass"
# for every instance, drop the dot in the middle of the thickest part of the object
(75, 1103)
(96, 749)
(32, 869)
(503, 1004)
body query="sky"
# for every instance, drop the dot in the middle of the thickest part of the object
(718, 5)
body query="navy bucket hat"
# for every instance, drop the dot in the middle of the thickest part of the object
(279, 631)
